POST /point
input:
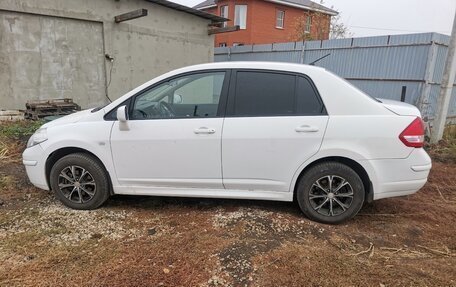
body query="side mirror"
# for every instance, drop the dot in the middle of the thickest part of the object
(122, 114)
(177, 99)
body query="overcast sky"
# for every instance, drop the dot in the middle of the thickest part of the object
(387, 17)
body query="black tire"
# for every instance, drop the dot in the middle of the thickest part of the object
(312, 193)
(91, 171)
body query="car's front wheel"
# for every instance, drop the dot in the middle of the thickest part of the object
(330, 192)
(79, 181)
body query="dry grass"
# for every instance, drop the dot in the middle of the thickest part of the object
(445, 151)
(13, 137)
(10, 150)
(150, 241)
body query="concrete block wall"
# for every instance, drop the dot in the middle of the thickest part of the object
(56, 48)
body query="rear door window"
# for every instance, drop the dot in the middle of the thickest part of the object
(265, 94)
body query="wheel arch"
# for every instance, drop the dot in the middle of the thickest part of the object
(357, 167)
(61, 152)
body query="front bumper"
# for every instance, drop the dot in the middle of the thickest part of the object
(398, 177)
(35, 165)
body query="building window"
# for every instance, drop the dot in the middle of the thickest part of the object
(240, 16)
(280, 19)
(308, 24)
(222, 45)
(224, 13)
(238, 44)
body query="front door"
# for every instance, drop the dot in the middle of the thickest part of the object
(173, 135)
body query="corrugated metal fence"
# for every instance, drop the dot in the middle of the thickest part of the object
(380, 66)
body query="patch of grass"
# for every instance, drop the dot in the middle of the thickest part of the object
(450, 132)
(304, 264)
(31, 261)
(6, 181)
(13, 137)
(20, 242)
(19, 129)
(444, 151)
(5, 218)
(10, 150)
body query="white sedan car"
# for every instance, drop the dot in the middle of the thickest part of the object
(243, 130)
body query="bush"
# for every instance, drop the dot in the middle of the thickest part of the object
(19, 129)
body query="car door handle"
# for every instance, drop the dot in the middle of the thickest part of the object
(204, 130)
(306, 129)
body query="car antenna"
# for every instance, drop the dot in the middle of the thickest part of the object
(321, 58)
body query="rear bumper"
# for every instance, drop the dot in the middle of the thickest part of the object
(400, 188)
(399, 177)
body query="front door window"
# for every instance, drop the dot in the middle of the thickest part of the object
(190, 96)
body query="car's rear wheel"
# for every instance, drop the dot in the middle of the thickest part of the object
(79, 181)
(330, 192)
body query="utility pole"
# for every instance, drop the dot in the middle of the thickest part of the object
(443, 101)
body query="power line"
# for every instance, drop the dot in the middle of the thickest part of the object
(397, 30)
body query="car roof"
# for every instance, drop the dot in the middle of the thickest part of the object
(255, 65)
(277, 66)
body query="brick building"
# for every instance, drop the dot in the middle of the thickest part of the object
(270, 21)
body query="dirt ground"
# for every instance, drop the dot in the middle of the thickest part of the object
(152, 241)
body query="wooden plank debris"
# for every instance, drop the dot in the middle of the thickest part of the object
(11, 115)
(39, 109)
(130, 15)
(223, 30)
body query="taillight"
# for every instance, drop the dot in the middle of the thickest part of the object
(413, 135)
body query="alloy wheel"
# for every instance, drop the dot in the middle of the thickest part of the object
(77, 184)
(331, 195)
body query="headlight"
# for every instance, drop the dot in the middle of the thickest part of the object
(38, 137)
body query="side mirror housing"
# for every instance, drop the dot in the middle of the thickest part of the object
(122, 114)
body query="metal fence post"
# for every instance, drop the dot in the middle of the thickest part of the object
(303, 51)
(443, 101)
(423, 100)
(403, 93)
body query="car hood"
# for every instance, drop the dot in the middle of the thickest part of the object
(69, 119)
(400, 108)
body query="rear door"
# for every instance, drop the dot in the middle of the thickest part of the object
(274, 122)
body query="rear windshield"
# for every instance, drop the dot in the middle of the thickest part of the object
(355, 87)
